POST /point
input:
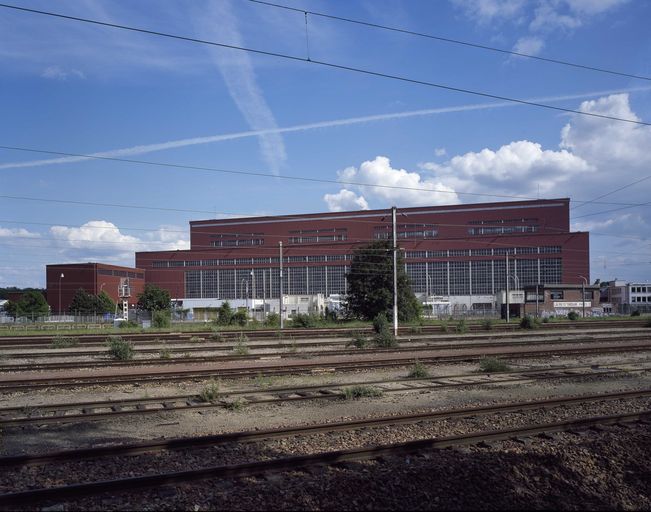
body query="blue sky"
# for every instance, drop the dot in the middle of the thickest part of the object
(77, 88)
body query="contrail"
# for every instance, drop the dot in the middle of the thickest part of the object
(151, 148)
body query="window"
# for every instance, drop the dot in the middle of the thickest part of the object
(556, 294)
(406, 231)
(318, 235)
(459, 252)
(415, 254)
(155, 264)
(481, 252)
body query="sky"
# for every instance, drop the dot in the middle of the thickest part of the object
(83, 89)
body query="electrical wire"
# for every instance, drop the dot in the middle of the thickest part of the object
(452, 41)
(331, 65)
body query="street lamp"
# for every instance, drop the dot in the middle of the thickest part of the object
(60, 277)
(583, 285)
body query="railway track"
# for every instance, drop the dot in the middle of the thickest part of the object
(107, 410)
(637, 341)
(285, 463)
(204, 345)
(262, 334)
(32, 381)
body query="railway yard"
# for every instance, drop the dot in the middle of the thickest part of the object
(553, 417)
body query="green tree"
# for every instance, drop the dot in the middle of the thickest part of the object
(11, 308)
(225, 314)
(104, 303)
(370, 285)
(83, 303)
(32, 304)
(154, 298)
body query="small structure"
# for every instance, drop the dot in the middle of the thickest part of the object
(626, 297)
(547, 300)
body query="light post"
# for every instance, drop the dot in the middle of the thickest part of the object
(253, 292)
(583, 285)
(60, 278)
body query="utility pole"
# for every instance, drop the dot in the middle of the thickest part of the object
(280, 301)
(507, 287)
(583, 283)
(252, 294)
(536, 299)
(395, 272)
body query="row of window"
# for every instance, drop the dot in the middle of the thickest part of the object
(238, 242)
(120, 273)
(643, 298)
(248, 261)
(502, 221)
(640, 289)
(503, 230)
(406, 231)
(499, 251)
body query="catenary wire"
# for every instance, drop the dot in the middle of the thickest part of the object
(452, 41)
(331, 65)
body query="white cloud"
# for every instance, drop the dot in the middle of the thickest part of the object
(345, 200)
(60, 74)
(487, 11)
(407, 184)
(17, 233)
(180, 143)
(529, 45)
(220, 24)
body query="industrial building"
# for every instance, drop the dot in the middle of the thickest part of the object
(624, 297)
(456, 255)
(63, 281)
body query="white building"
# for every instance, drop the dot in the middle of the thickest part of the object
(627, 297)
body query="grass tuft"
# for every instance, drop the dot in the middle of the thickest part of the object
(418, 371)
(492, 365)
(356, 392)
(358, 341)
(119, 348)
(210, 392)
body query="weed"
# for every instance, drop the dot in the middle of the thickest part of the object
(487, 324)
(210, 392)
(235, 405)
(165, 353)
(264, 382)
(461, 327)
(293, 347)
(492, 365)
(385, 339)
(528, 322)
(417, 329)
(358, 341)
(240, 347)
(356, 392)
(119, 348)
(418, 371)
(380, 324)
(444, 326)
(197, 339)
(545, 320)
(573, 315)
(60, 341)
(216, 336)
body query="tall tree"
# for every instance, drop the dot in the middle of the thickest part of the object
(370, 284)
(32, 304)
(104, 303)
(154, 298)
(83, 303)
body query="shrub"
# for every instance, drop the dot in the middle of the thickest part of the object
(545, 320)
(417, 329)
(418, 371)
(444, 326)
(165, 353)
(240, 347)
(60, 341)
(573, 315)
(380, 323)
(224, 314)
(491, 365)
(385, 339)
(487, 324)
(358, 341)
(461, 327)
(197, 339)
(305, 321)
(161, 319)
(210, 392)
(119, 348)
(216, 336)
(272, 320)
(355, 392)
(240, 318)
(528, 322)
(635, 313)
(235, 405)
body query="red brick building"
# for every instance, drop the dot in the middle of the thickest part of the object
(455, 250)
(92, 277)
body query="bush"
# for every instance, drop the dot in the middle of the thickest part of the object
(418, 371)
(380, 323)
(224, 314)
(129, 324)
(240, 318)
(635, 313)
(444, 326)
(60, 341)
(272, 320)
(545, 320)
(210, 392)
(573, 315)
(119, 348)
(240, 347)
(491, 365)
(161, 319)
(385, 339)
(528, 322)
(216, 336)
(461, 327)
(165, 353)
(358, 341)
(355, 392)
(487, 324)
(303, 320)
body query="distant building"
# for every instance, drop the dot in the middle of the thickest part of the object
(628, 297)
(64, 280)
(457, 257)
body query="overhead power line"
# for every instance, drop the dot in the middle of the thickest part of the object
(325, 64)
(451, 40)
(269, 175)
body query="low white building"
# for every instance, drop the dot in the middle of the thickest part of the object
(627, 297)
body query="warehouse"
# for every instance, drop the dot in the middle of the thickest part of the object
(64, 280)
(460, 252)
